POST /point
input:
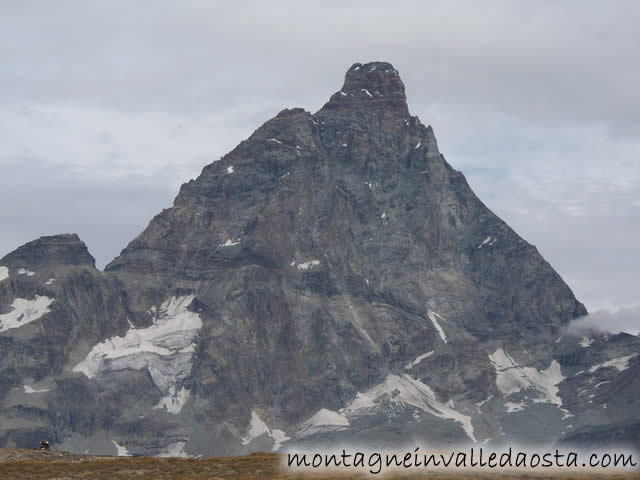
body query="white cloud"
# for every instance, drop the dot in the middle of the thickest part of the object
(621, 320)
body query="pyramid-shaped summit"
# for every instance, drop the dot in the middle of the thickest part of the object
(331, 279)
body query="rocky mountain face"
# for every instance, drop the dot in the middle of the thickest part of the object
(332, 279)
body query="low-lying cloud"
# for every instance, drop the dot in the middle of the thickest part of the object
(622, 320)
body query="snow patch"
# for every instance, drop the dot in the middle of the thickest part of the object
(24, 271)
(512, 378)
(432, 316)
(489, 241)
(165, 349)
(619, 363)
(120, 450)
(30, 389)
(274, 140)
(279, 437)
(417, 360)
(4, 273)
(50, 281)
(230, 169)
(257, 428)
(585, 342)
(514, 407)
(324, 420)
(307, 265)
(25, 311)
(384, 215)
(230, 243)
(418, 145)
(174, 401)
(327, 417)
(404, 389)
(367, 92)
(343, 94)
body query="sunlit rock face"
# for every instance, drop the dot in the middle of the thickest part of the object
(332, 279)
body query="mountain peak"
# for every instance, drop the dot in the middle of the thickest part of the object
(341, 243)
(372, 84)
(62, 249)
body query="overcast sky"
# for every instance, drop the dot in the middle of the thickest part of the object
(107, 107)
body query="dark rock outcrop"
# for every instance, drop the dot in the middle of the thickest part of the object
(65, 249)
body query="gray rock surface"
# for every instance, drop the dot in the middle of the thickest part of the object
(331, 279)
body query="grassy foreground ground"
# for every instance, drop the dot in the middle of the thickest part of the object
(35, 465)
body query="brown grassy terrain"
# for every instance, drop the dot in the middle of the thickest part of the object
(35, 465)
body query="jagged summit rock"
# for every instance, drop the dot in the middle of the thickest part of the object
(370, 86)
(63, 249)
(332, 278)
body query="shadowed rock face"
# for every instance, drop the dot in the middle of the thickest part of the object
(331, 279)
(54, 250)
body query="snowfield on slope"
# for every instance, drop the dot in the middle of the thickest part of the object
(257, 428)
(25, 311)
(120, 450)
(432, 316)
(165, 349)
(418, 360)
(31, 389)
(619, 363)
(324, 420)
(512, 378)
(404, 389)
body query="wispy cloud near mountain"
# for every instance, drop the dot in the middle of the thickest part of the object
(622, 320)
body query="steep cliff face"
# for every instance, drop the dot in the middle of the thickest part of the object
(331, 278)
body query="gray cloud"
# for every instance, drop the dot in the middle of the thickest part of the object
(552, 62)
(117, 103)
(44, 199)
